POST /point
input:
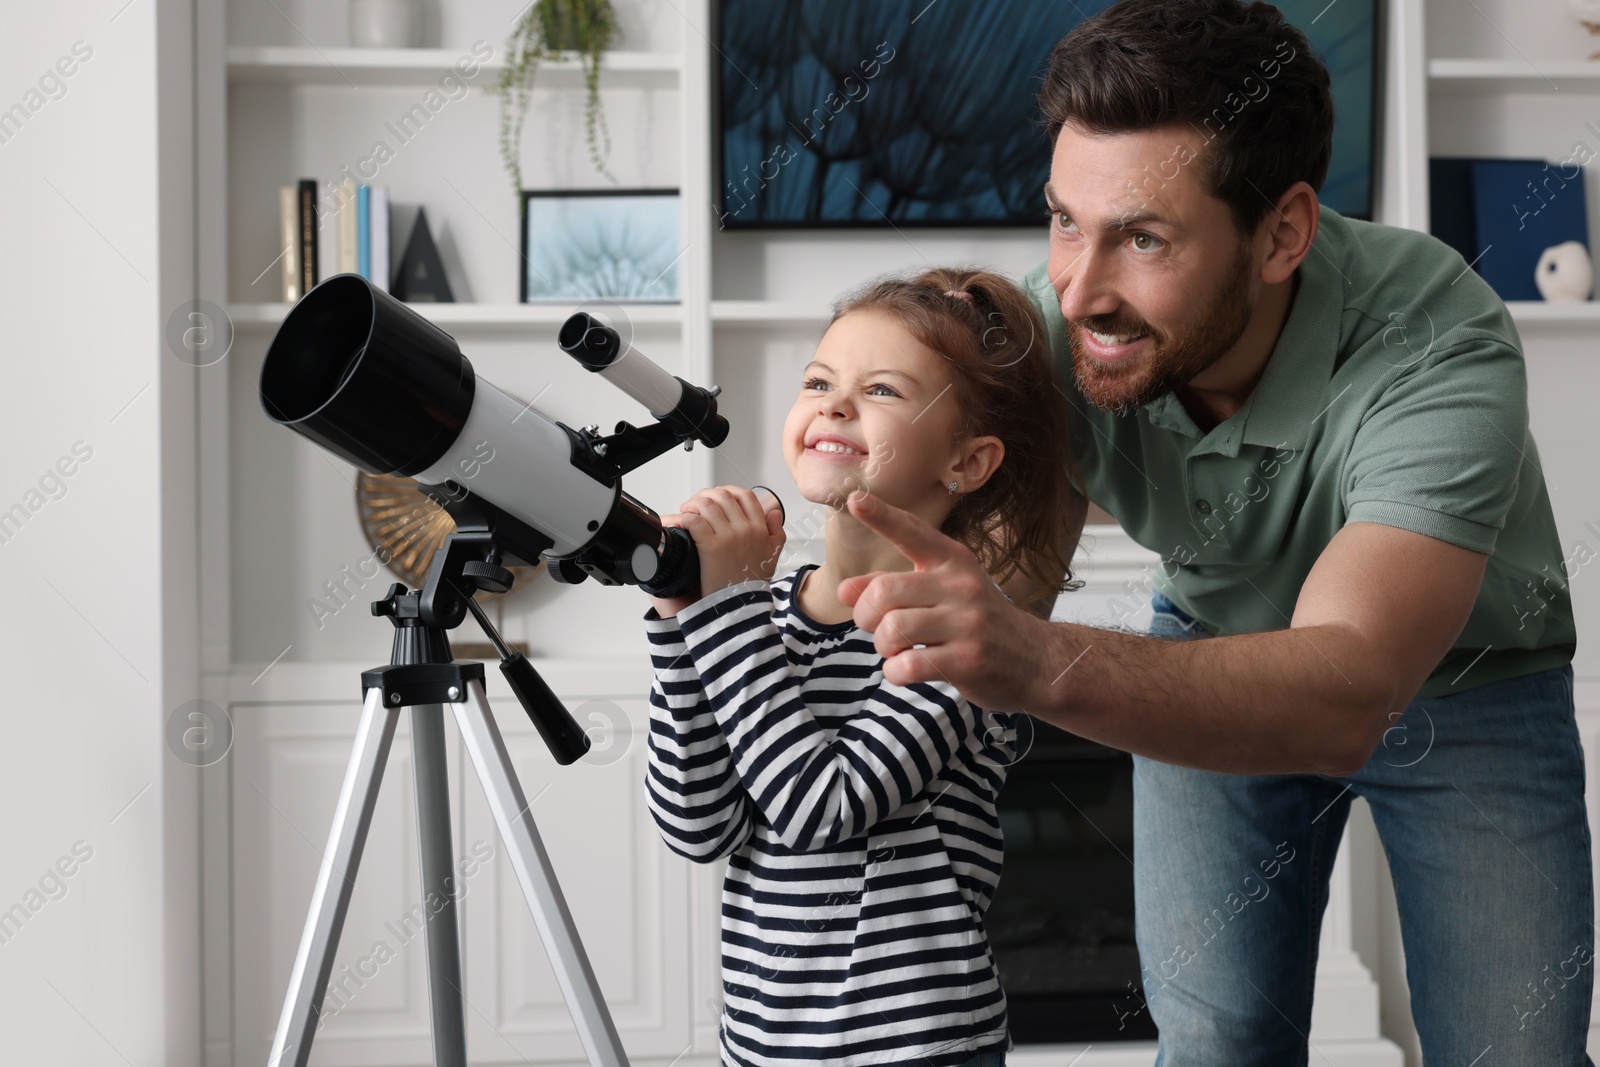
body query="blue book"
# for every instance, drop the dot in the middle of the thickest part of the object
(1450, 211)
(1521, 208)
(364, 231)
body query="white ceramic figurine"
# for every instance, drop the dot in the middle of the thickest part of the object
(1564, 274)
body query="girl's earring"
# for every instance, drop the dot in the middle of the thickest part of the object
(953, 487)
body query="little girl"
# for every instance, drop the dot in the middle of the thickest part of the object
(859, 816)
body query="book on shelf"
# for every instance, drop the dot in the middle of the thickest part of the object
(364, 231)
(1523, 208)
(369, 229)
(308, 226)
(378, 237)
(347, 228)
(327, 244)
(1501, 214)
(289, 237)
(346, 233)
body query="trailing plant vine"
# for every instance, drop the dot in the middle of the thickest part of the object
(547, 29)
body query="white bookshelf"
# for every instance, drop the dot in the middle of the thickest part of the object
(286, 99)
(1507, 72)
(359, 67)
(1488, 77)
(478, 316)
(757, 313)
(1539, 312)
(1512, 79)
(760, 313)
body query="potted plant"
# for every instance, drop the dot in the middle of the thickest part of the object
(545, 30)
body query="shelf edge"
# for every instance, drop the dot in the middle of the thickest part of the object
(268, 316)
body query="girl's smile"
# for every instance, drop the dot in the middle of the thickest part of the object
(830, 446)
(877, 410)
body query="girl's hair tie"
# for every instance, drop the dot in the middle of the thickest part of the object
(959, 294)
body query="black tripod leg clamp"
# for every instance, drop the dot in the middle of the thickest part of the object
(409, 684)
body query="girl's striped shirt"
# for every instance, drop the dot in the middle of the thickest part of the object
(858, 818)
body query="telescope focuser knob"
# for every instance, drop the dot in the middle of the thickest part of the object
(490, 577)
(679, 567)
(565, 571)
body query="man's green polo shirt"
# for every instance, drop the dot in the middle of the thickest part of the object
(1396, 394)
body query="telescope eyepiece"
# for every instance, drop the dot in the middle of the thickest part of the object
(589, 341)
(687, 410)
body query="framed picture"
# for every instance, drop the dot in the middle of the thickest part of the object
(902, 113)
(617, 244)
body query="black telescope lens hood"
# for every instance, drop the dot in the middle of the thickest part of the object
(366, 377)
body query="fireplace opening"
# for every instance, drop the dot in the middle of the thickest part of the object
(1061, 922)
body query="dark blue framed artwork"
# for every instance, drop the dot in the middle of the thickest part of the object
(878, 113)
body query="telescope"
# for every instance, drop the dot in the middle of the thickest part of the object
(359, 373)
(362, 375)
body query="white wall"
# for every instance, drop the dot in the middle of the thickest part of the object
(98, 637)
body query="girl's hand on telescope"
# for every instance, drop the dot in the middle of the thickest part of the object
(668, 607)
(737, 539)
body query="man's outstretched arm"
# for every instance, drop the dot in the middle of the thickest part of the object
(1378, 611)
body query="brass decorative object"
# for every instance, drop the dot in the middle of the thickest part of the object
(404, 527)
(1587, 12)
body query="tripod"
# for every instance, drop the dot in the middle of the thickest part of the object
(423, 677)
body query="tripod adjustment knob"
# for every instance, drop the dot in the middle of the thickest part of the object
(389, 604)
(487, 576)
(398, 603)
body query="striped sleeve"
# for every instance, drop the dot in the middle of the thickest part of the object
(695, 797)
(812, 790)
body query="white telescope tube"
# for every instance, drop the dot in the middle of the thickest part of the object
(641, 378)
(514, 457)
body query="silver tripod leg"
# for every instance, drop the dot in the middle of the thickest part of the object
(430, 766)
(330, 900)
(487, 748)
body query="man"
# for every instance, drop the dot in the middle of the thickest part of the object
(1321, 426)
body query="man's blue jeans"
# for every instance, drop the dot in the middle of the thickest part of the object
(1478, 798)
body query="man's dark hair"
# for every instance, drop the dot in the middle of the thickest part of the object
(1238, 74)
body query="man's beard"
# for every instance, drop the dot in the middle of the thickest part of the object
(1122, 388)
